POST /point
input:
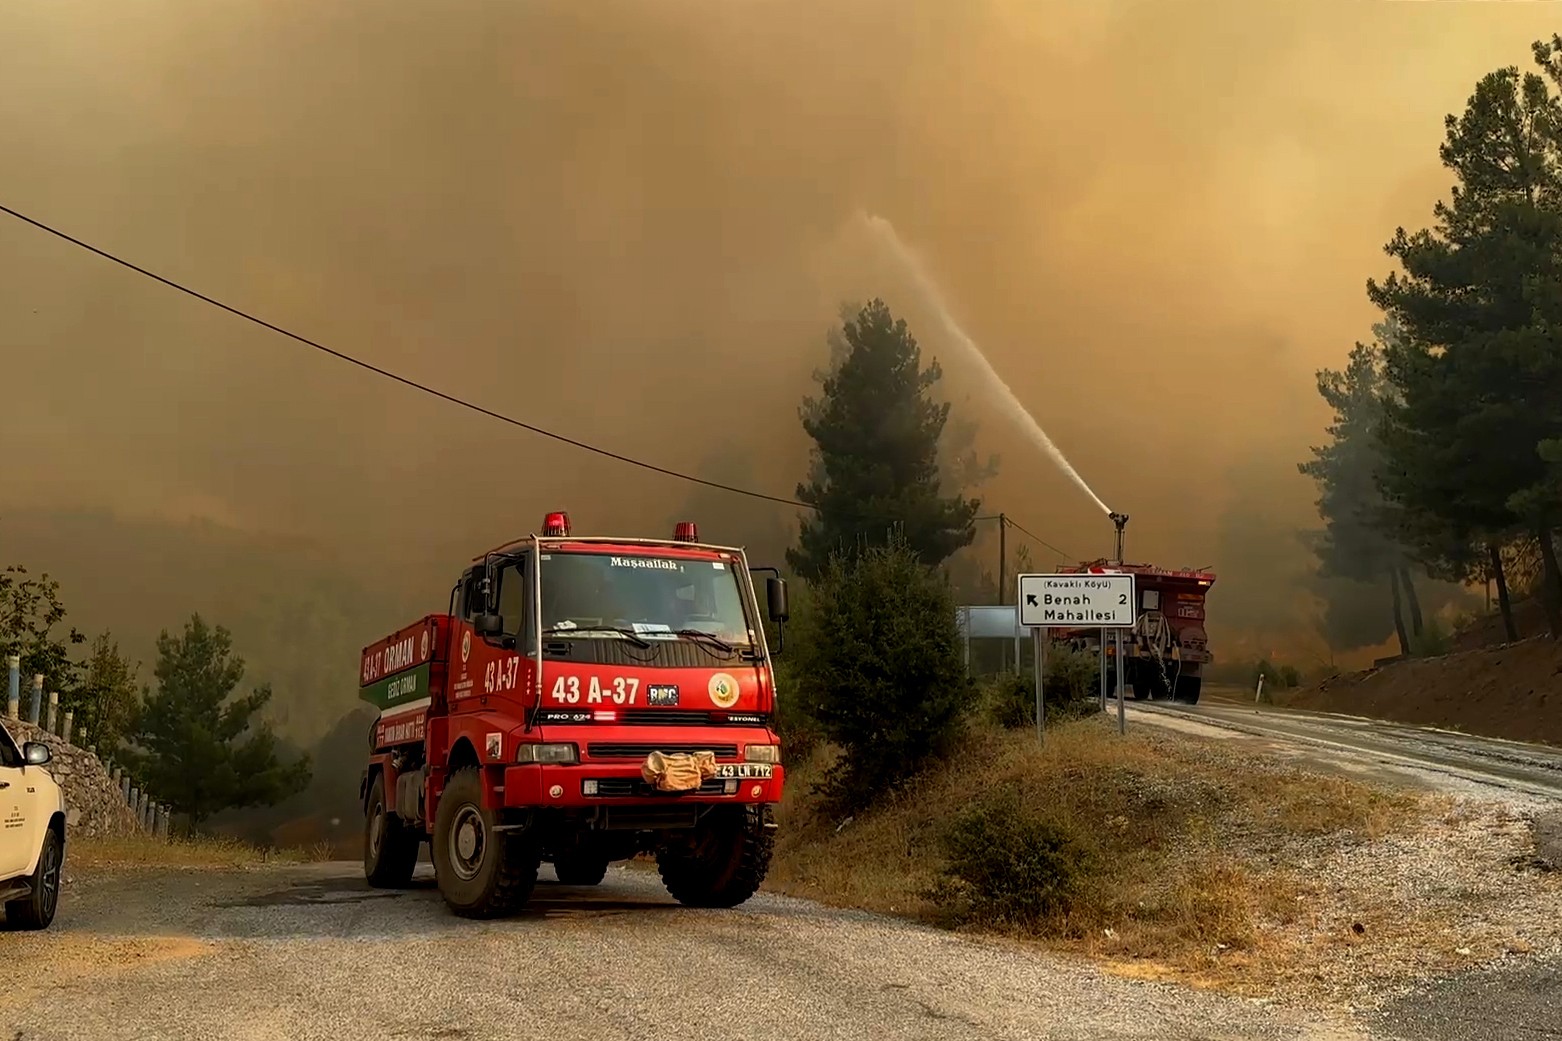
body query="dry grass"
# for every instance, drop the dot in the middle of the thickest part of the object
(1195, 851)
(143, 851)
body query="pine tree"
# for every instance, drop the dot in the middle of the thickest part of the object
(887, 684)
(1353, 544)
(1478, 374)
(877, 466)
(194, 752)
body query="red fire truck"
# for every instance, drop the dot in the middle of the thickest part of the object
(1165, 654)
(583, 700)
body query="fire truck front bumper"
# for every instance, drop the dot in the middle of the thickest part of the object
(588, 785)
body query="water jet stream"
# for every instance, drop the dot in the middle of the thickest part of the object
(885, 232)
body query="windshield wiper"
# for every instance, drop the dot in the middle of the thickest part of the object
(628, 634)
(712, 639)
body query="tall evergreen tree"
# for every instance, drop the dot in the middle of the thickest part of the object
(1353, 544)
(1478, 374)
(877, 467)
(192, 731)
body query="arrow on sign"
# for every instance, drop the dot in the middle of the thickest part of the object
(1030, 599)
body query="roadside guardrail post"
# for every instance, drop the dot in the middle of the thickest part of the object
(13, 686)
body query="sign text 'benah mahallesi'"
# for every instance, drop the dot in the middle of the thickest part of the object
(1097, 601)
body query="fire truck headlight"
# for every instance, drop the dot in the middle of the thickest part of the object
(561, 754)
(762, 753)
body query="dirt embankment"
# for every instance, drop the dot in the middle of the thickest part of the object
(1512, 692)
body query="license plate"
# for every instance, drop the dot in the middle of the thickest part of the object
(755, 771)
(662, 694)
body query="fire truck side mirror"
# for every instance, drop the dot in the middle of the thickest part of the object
(489, 625)
(775, 597)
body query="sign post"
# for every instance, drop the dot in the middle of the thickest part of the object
(1122, 710)
(1094, 599)
(1101, 667)
(1040, 668)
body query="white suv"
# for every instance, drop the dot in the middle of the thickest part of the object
(32, 835)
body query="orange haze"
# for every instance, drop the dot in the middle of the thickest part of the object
(629, 222)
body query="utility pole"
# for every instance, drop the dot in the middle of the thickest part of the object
(1003, 559)
(1003, 553)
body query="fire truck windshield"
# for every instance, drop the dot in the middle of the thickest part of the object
(653, 597)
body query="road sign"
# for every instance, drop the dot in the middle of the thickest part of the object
(1085, 600)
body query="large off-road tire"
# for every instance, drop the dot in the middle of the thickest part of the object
(1188, 689)
(725, 860)
(482, 872)
(390, 845)
(36, 910)
(580, 869)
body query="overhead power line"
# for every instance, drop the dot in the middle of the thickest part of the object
(386, 373)
(1022, 529)
(414, 384)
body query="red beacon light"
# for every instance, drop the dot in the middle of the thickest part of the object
(556, 524)
(685, 531)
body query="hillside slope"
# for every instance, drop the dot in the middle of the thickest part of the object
(1512, 691)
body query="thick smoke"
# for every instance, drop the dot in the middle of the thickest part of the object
(625, 221)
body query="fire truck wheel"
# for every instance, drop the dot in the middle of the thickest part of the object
(390, 847)
(1188, 688)
(723, 862)
(482, 872)
(581, 869)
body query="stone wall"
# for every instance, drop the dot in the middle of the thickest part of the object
(95, 804)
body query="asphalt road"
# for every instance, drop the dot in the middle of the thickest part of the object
(311, 952)
(1424, 756)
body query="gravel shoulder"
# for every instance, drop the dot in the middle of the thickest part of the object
(310, 952)
(1466, 943)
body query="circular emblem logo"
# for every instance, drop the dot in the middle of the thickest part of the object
(424, 652)
(466, 645)
(723, 690)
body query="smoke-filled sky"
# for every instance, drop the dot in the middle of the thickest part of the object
(632, 222)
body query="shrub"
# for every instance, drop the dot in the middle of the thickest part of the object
(1073, 690)
(1276, 677)
(1007, 865)
(880, 668)
(800, 732)
(1433, 640)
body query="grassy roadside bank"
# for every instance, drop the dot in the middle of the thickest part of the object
(1168, 857)
(215, 853)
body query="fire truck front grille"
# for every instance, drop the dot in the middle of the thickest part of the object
(638, 751)
(687, 717)
(628, 787)
(662, 654)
